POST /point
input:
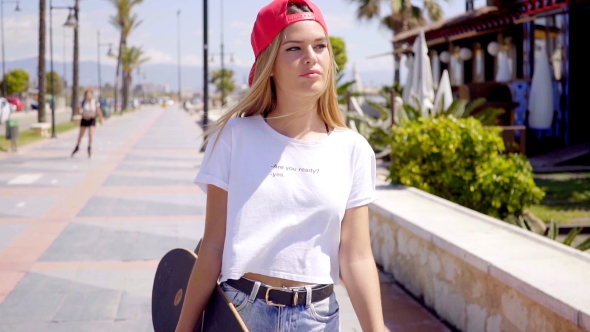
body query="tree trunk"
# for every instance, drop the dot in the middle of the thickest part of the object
(127, 85)
(124, 81)
(125, 102)
(41, 63)
(118, 72)
(75, 79)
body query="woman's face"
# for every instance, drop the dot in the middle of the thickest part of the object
(303, 60)
(88, 95)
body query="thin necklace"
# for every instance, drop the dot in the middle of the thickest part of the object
(325, 124)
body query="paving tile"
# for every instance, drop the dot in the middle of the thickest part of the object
(53, 179)
(141, 324)
(112, 207)
(133, 307)
(81, 326)
(24, 327)
(26, 206)
(10, 232)
(125, 180)
(80, 241)
(25, 306)
(80, 306)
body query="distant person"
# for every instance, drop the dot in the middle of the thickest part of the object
(89, 108)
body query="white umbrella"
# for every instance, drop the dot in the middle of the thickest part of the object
(358, 84)
(541, 94)
(421, 87)
(444, 92)
(410, 65)
(503, 74)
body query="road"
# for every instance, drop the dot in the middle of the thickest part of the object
(26, 119)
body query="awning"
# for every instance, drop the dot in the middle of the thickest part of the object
(479, 21)
(465, 25)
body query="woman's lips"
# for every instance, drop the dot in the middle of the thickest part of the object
(312, 74)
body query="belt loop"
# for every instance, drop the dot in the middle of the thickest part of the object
(254, 292)
(308, 297)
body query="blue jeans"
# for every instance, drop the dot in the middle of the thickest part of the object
(260, 317)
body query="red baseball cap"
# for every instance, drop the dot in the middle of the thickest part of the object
(273, 18)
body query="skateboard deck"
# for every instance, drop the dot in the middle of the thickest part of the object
(170, 283)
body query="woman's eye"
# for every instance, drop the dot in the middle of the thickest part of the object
(321, 46)
(293, 49)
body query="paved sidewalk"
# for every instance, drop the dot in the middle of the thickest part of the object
(80, 238)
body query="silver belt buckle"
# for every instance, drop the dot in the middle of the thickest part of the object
(269, 302)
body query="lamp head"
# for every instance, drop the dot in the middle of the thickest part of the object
(71, 21)
(17, 9)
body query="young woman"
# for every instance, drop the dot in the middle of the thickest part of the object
(89, 110)
(287, 190)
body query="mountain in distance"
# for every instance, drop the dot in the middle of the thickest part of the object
(166, 74)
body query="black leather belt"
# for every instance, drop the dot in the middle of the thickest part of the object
(281, 297)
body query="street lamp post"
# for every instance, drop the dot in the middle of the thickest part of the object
(179, 81)
(110, 53)
(17, 9)
(205, 66)
(222, 67)
(70, 22)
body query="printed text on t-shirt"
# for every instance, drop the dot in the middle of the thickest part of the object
(276, 168)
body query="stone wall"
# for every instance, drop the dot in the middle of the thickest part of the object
(478, 273)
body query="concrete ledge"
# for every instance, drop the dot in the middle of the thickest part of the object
(41, 128)
(477, 272)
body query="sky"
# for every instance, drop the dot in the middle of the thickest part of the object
(158, 33)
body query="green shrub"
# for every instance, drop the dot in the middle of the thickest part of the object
(462, 161)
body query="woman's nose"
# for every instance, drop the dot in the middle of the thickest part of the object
(309, 55)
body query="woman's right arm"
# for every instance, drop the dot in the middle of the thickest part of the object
(208, 267)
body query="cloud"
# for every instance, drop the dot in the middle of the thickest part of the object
(160, 57)
(243, 29)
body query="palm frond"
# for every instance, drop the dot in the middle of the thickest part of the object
(572, 235)
(368, 9)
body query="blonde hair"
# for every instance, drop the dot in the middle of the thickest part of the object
(261, 99)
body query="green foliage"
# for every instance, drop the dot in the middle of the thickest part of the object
(460, 108)
(132, 58)
(339, 48)
(17, 81)
(223, 79)
(571, 236)
(58, 83)
(462, 161)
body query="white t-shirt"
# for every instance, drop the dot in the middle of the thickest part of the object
(89, 108)
(286, 198)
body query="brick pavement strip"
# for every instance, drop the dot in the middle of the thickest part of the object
(80, 243)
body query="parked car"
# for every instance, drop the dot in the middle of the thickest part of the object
(16, 102)
(4, 110)
(35, 106)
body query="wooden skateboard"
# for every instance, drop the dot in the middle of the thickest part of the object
(170, 282)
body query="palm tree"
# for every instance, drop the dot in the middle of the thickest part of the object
(404, 16)
(223, 79)
(132, 58)
(131, 24)
(125, 22)
(41, 63)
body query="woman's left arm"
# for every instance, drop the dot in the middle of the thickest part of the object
(359, 272)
